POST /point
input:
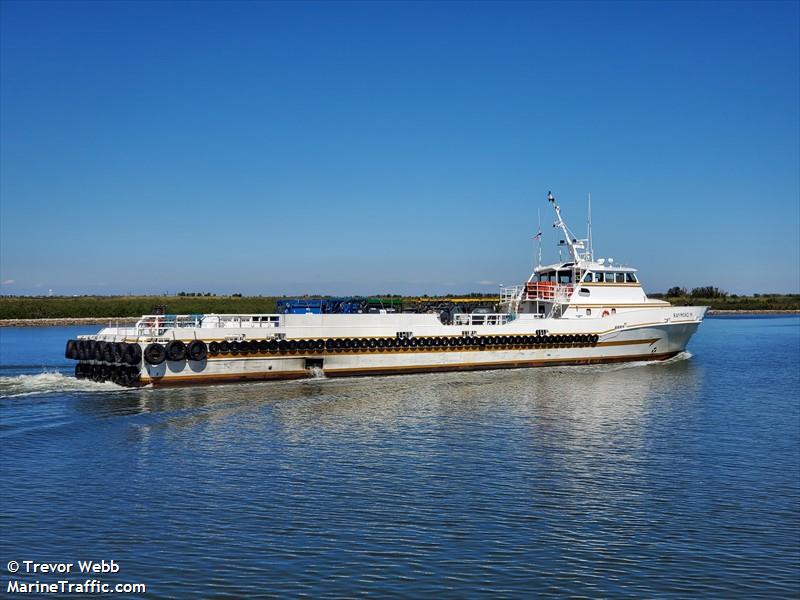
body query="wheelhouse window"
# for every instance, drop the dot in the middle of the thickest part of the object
(619, 277)
(589, 278)
(631, 278)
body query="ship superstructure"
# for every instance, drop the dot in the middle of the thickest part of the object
(578, 311)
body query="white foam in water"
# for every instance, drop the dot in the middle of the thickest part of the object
(317, 373)
(50, 382)
(680, 357)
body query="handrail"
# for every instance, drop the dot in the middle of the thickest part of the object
(481, 319)
(548, 291)
(155, 325)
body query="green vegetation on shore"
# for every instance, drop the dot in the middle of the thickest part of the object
(40, 307)
(760, 302)
(719, 299)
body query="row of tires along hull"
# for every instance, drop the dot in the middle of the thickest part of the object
(338, 345)
(109, 352)
(124, 375)
(197, 350)
(398, 344)
(131, 354)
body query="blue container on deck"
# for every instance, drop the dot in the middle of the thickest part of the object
(300, 306)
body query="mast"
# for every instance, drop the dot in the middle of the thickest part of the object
(571, 243)
(589, 234)
(539, 236)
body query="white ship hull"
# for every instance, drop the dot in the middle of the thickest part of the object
(527, 341)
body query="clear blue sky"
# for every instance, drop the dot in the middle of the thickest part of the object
(394, 147)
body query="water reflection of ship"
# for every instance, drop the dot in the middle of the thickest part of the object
(573, 405)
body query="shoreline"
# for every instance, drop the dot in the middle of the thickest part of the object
(721, 312)
(66, 321)
(70, 321)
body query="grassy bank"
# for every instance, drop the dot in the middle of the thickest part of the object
(36, 307)
(761, 302)
(27, 307)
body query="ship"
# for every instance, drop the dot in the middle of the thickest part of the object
(577, 311)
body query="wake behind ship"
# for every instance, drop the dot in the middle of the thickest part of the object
(576, 312)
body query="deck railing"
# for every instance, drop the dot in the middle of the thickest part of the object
(466, 320)
(155, 325)
(548, 291)
(544, 291)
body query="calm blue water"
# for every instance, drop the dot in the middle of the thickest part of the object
(667, 480)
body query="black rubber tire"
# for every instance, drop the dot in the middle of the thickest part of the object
(71, 350)
(245, 347)
(132, 354)
(97, 353)
(225, 346)
(263, 346)
(213, 348)
(234, 347)
(283, 346)
(291, 345)
(155, 354)
(176, 350)
(272, 345)
(197, 350)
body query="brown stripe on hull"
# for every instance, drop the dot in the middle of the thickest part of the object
(411, 369)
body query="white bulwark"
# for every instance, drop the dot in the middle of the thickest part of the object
(577, 312)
